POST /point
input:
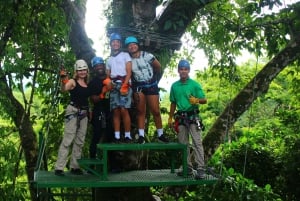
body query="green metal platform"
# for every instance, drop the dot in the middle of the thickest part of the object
(137, 178)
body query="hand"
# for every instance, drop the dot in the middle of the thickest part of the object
(194, 100)
(124, 89)
(63, 73)
(107, 82)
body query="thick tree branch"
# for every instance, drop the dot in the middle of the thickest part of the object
(256, 87)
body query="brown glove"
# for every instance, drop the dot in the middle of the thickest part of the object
(194, 100)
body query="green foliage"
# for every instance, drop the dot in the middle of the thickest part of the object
(223, 29)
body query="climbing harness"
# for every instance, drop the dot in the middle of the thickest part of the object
(187, 118)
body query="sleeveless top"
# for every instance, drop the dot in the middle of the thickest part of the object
(79, 95)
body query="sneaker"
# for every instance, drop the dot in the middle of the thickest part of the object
(116, 141)
(59, 173)
(189, 172)
(163, 139)
(127, 140)
(76, 171)
(200, 174)
(141, 140)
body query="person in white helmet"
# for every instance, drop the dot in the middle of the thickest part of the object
(76, 118)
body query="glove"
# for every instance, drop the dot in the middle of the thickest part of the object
(103, 92)
(107, 82)
(170, 121)
(63, 73)
(64, 76)
(194, 100)
(124, 89)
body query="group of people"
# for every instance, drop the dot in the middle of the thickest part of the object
(126, 78)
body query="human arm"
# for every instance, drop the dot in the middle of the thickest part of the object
(66, 84)
(195, 101)
(156, 69)
(125, 86)
(171, 113)
(128, 72)
(198, 95)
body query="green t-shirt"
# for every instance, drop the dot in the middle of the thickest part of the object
(180, 93)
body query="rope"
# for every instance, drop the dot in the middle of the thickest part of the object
(46, 126)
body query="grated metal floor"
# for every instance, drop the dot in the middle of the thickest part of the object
(137, 178)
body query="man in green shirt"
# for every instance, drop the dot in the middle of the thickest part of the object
(185, 96)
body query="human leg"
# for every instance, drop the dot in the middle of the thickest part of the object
(199, 153)
(126, 122)
(183, 138)
(97, 133)
(69, 134)
(153, 103)
(140, 102)
(117, 122)
(78, 143)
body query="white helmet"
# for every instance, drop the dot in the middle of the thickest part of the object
(80, 65)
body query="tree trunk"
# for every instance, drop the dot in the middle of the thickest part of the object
(75, 16)
(26, 133)
(257, 86)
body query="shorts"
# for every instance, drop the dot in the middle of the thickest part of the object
(117, 100)
(149, 89)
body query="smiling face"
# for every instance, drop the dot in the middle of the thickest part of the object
(81, 74)
(115, 45)
(99, 69)
(183, 73)
(132, 48)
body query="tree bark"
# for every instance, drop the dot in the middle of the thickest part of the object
(80, 43)
(257, 86)
(25, 129)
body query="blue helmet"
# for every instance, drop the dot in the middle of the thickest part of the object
(97, 60)
(115, 36)
(183, 63)
(131, 39)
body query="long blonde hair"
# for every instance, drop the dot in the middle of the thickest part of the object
(86, 79)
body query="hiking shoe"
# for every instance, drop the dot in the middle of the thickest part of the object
(189, 172)
(200, 174)
(76, 171)
(127, 140)
(59, 173)
(163, 139)
(141, 140)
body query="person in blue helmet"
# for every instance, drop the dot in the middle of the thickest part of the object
(119, 70)
(101, 119)
(145, 67)
(185, 96)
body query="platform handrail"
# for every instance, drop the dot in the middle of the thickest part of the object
(105, 147)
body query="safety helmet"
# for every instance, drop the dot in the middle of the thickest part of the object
(183, 63)
(97, 60)
(115, 36)
(80, 65)
(131, 39)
